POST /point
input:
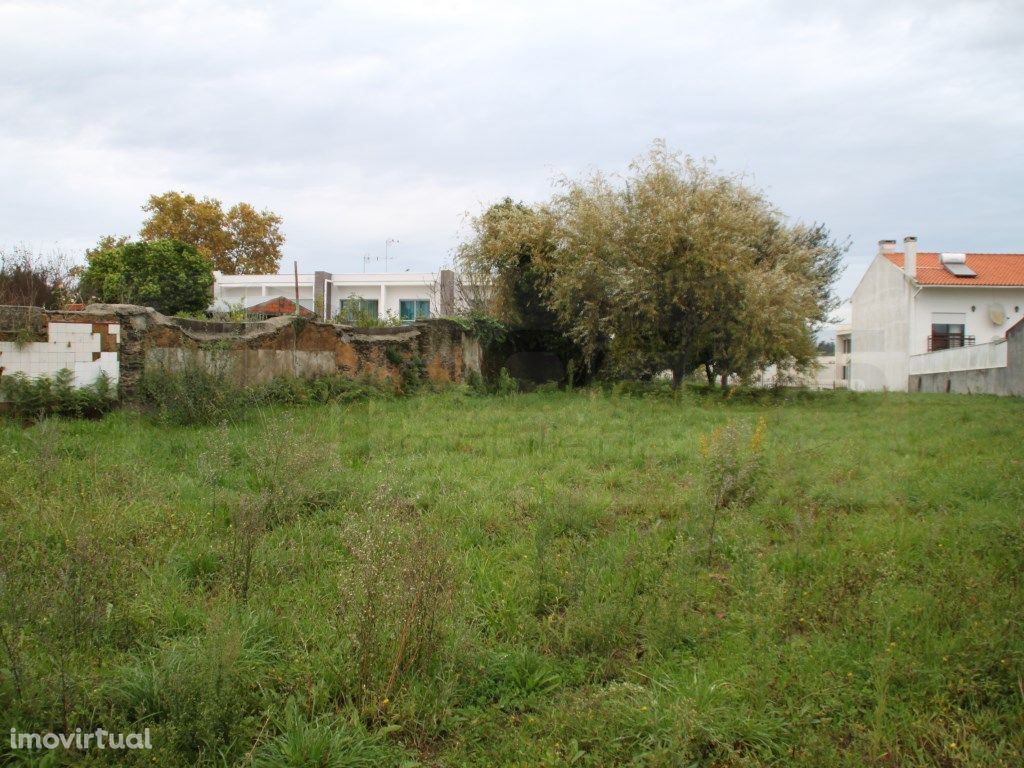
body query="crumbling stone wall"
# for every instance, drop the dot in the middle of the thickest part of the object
(251, 353)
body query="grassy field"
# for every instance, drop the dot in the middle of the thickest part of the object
(533, 579)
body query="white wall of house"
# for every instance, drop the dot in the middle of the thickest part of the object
(255, 289)
(388, 289)
(880, 328)
(956, 300)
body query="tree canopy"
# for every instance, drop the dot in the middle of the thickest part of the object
(240, 241)
(672, 268)
(167, 275)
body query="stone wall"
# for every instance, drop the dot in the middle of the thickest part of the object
(130, 340)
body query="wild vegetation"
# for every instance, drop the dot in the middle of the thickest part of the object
(674, 267)
(620, 576)
(36, 278)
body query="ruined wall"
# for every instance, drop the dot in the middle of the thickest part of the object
(136, 339)
(37, 343)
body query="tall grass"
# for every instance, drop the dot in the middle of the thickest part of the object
(450, 579)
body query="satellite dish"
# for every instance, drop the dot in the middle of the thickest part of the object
(996, 313)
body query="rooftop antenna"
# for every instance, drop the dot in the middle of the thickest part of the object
(387, 244)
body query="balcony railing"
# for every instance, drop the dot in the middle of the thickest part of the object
(949, 341)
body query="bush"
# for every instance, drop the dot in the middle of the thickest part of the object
(33, 399)
(486, 329)
(191, 395)
(731, 467)
(394, 601)
(506, 384)
(30, 279)
(167, 275)
(196, 395)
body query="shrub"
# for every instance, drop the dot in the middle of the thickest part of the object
(506, 385)
(486, 329)
(731, 467)
(191, 395)
(30, 279)
(393, 600)
(33, 399)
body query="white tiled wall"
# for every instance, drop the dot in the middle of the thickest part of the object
(69, 345)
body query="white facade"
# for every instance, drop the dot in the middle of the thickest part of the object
(893, 316)
(250, 290)
(392, 292)
(880, 328)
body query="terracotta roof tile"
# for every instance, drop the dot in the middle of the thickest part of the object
(992, 269)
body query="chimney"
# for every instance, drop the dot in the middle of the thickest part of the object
(886, 246)
(910, 257)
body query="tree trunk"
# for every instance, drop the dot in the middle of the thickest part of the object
(679, 370)
(710, 373)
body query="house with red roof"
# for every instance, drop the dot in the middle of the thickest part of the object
(927, 312)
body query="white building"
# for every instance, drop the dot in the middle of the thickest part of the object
(910, 306)
(407, 296)
(844, 347)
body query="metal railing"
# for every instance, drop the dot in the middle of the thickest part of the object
(949, 341)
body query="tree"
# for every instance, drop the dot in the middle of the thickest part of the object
(107, 243)
(167, 275)
(508, 239)
(241, 241)
(673, 268)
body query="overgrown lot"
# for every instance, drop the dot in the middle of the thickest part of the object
(539, 579)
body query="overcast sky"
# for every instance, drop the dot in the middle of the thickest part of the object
(359, 122)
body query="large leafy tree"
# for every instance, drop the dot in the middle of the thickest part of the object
(240, 240)
(167, 275)
(500, 261)
(674, 267)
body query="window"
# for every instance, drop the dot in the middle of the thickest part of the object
(947, 336)
(413, 309)
(948, 329)
(357, 310)
(846, 373)
(847, 346)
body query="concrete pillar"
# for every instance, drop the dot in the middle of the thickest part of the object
(319, 294)
(446, 293)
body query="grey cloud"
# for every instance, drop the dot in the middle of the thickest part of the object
(361, 123)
